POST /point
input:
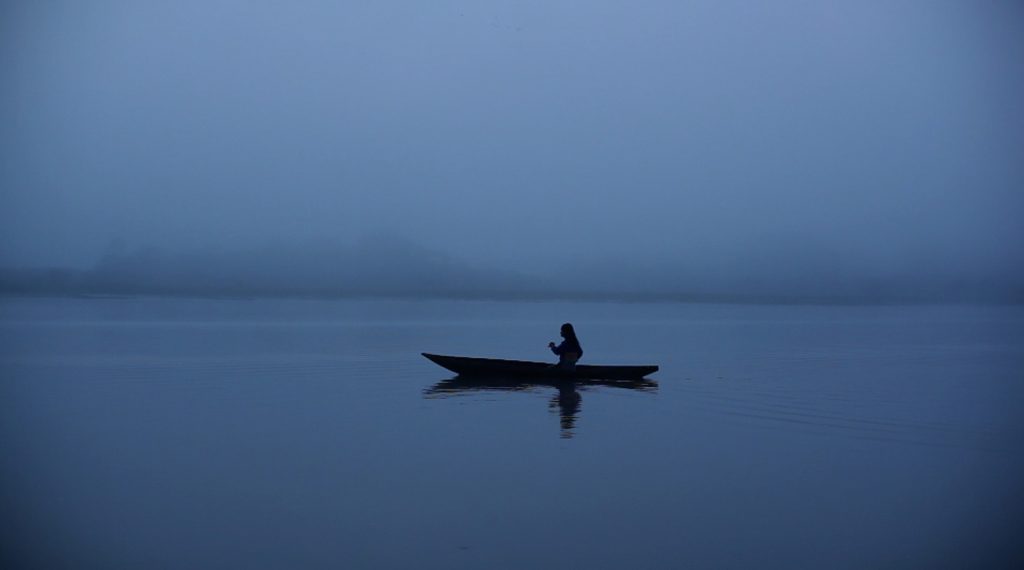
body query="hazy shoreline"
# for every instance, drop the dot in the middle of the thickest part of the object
(539, 297)
(395, 268)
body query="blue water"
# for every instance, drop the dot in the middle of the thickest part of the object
(170, 433)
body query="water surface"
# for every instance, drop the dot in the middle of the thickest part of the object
(297, 433)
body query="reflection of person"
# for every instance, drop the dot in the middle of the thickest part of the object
(570, 350)
(568, 402)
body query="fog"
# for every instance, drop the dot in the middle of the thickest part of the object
(793, 148)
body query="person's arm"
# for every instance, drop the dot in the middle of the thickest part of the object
(556, 349)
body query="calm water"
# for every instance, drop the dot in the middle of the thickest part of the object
(144, 433)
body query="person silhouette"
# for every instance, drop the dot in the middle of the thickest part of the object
(569, 351)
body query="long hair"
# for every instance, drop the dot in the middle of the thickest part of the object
(570, 333)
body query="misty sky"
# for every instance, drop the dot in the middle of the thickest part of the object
(515, 133)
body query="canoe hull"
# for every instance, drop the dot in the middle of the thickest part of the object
(464, 366)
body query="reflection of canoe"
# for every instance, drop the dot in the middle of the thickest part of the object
(522, 369)
(465, 384)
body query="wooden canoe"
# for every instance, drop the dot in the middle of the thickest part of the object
(465, 366)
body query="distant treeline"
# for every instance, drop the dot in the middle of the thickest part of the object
(399, 269)
(386, 268)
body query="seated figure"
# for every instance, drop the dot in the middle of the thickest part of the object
(570, 351)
